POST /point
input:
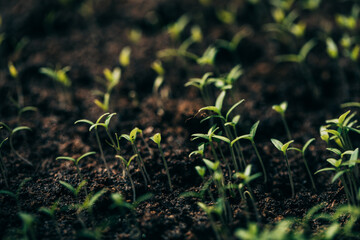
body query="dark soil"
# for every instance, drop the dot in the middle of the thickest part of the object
(53, 34)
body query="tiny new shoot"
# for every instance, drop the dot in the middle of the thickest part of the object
(60, 77)
(281, 109)
(124, 56)
(283, 148)
(73, 190)
(112, 79)
(76, 161)
(127, 165)
(251, 137)
(14, 74)
(132, 138)
(157, 139)
(302, 151)
(51, 211)
(11, 139)
(95, 127)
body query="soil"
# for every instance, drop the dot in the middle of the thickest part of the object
(42, 33)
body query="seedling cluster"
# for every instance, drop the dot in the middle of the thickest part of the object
(129, 172)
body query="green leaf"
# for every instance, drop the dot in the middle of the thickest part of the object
(96, 197)
(246, 136)
(307, 144)
(253, 129)
(199, 135)
(156, 138)
(107, 120)
(277, 144)
(68, 186)
(143, 198)
(211, 165)
(220, 100)
(304, 51)
(85, 155)
(232, 108)
(210, 108)
(66, 158)
(342, 117)
(354, 157)
(127, 137)
(331, 48)
(325, 170)
(96, 125)
(337, 175)
(334, 150)
(201, 171)
(3, 141)
(11, 194)
(84, 121)
(222, 138)
(101, 117)
(17, 129)
(286, 145)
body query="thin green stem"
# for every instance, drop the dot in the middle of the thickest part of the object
(166, 167)
(102, 152)
(142, 164)
(308, 170)
(286, 127)
(260, 160)
(16, 153)
(290, 176)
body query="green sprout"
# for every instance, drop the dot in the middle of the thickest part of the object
(213, 210)
(16, 195)
(202, 84)
(283, 148)
(95, 127)
(251, 137)
(135, 35)
(28, 227)
(227, 82)
(73, 190)
(159, 69)
(51, 211)
(76, 161)
(225, 120)
(2, 164)
(232, 45)
(132, 138)
(208, 57)
(112, 79)
(281, 109)
(124, 56)
(11, 139)
(300, 60)
(14, 74)
(302, 151)
(127, 165)
(157, 139)
(346, 171)
(246, 178)
(339, 130)
(175, 29)
(60, 77)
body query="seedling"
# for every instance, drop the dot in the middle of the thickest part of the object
(217, 109)
(124, 57)
(227, 82)
(340, 136)
(300, 60)
(157, 139)
(2, 164)
(112, 79)
(202, 84)
(246, 178)
(302, 151)
(346, 171)
(132, 138)
(213, 210)
(14, 74)
(76, 161)
(51, 211)
(127, 165)
(251, 137)
(178, 27)
(208, 57)
(60, 77)
(283, 148)
(135, 35)
(16, 195)
(281, 109)
(28, 229)
(95, 127)
(11, 139)
(73, 190)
